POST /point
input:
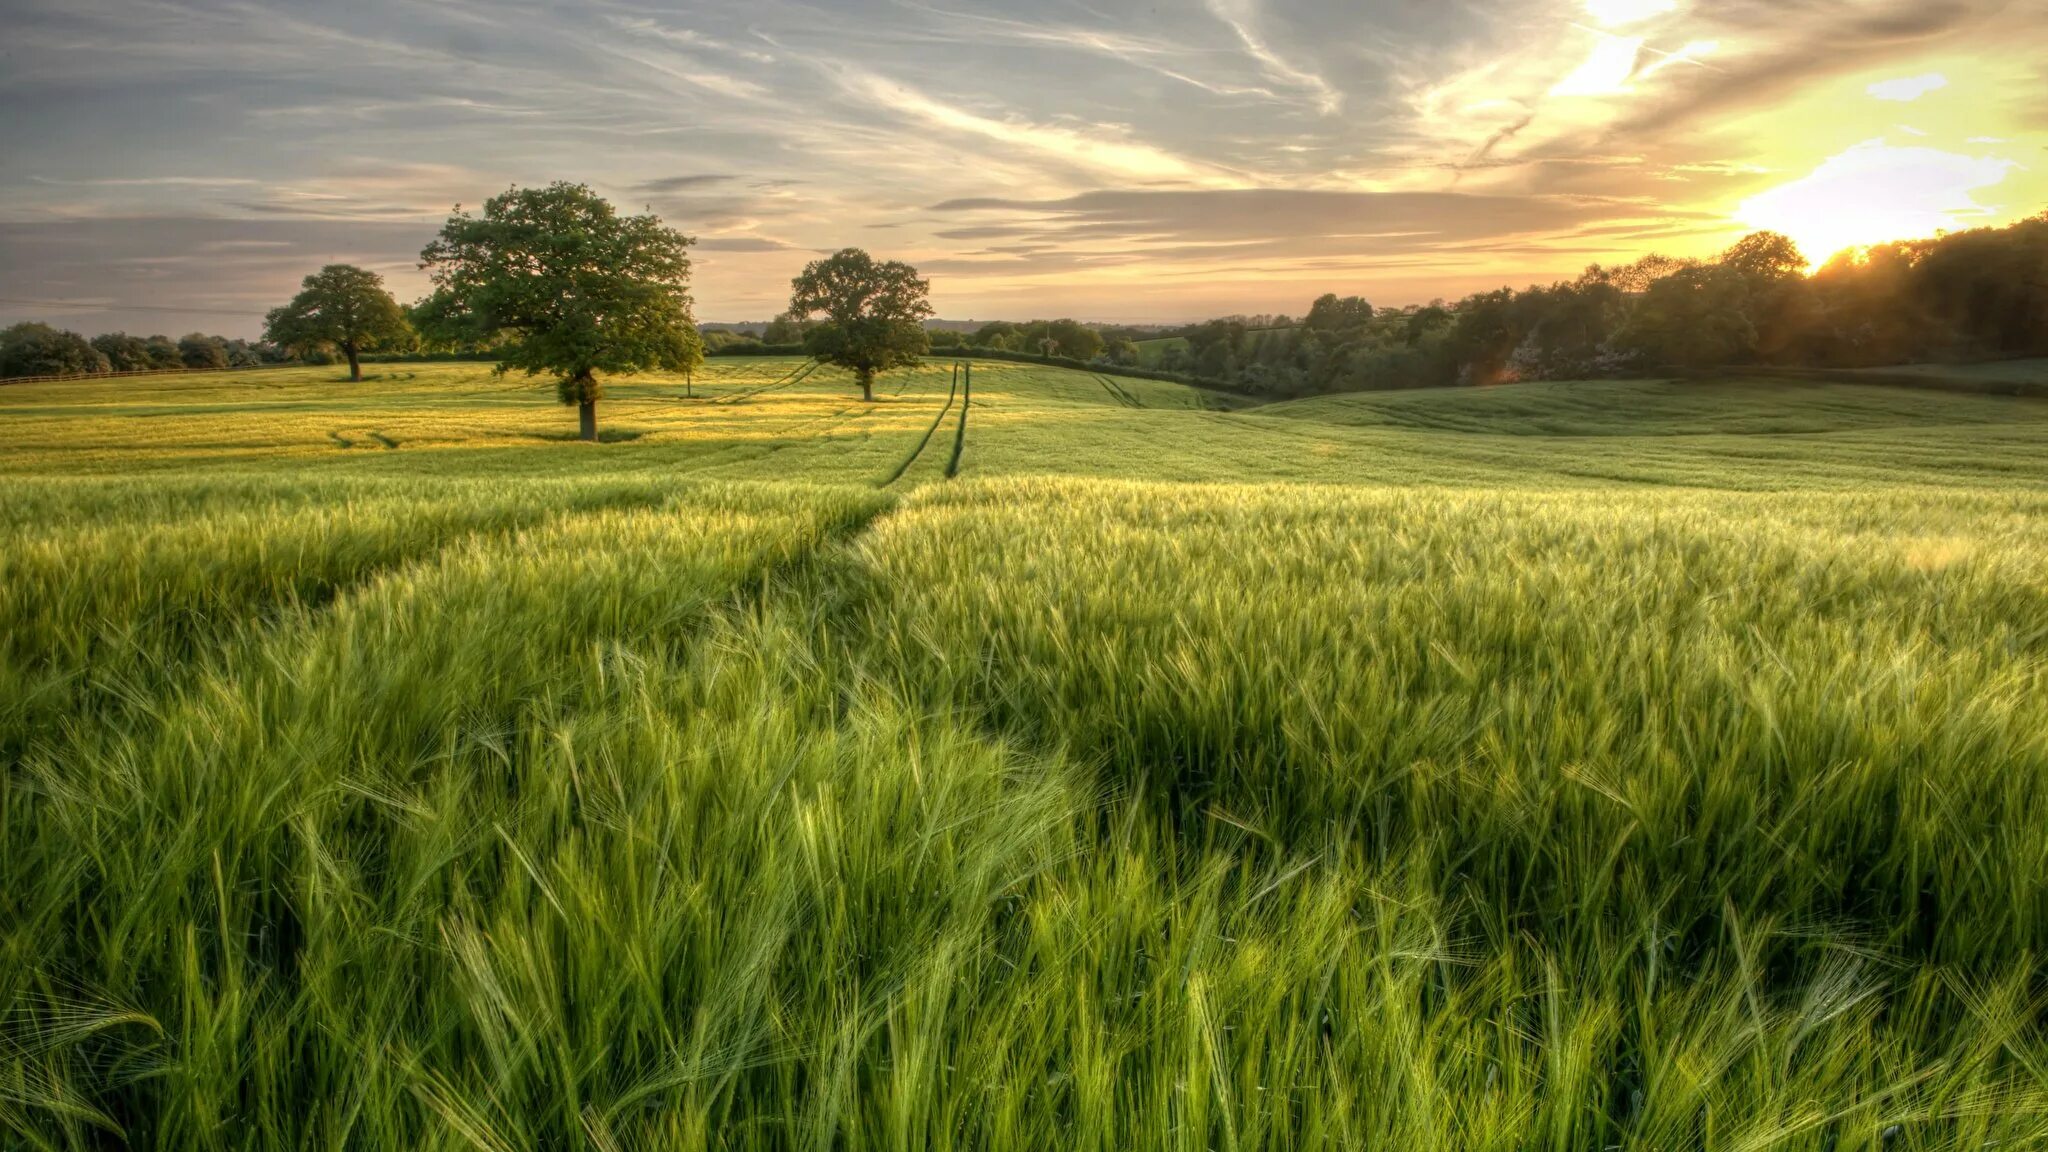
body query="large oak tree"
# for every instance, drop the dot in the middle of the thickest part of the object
(874, 313)
(573, 287)
(344, 306)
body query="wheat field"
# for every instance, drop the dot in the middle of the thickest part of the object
(1634, 765)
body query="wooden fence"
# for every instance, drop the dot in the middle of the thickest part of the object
(136, 372)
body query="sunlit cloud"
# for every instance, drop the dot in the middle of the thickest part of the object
(1695, 52)
(1873, 193)
(1539, 136)
(1605, 72)
(1908, 89)
(1620, 13)
(1237, 14)
(1098, 150)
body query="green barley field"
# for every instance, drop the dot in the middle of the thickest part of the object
(1622, 765)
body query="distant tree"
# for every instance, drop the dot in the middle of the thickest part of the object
(1484, 335)
(163, 352)
(785, 329)
(874, 313)
(946, 338)
(1696, 318)
(577, 288)
(1425, 320)
(1988, 287)
(1765, 258)
(344, 306)
(1216, 361)
(242, 354)
(999, 334)
(35, 349)
(1637, 277)
(1335, 314)
(126, 353)
(198, 350)
(1075, 339)
(719, 339)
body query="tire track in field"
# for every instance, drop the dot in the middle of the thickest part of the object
(1116, 391)
(903, 465)
(802, 372)
(789, 438)
(960, 433)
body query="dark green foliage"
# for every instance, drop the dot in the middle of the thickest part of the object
(36, 349)
(1695, 318)
(1970, 295)
(164, 353)
(125, 353)
(721, 341)
(198, 350)
(874, 313)
(1332, 314)
(343, 306)
(576, 288)
(786, 329)
(1068, 339)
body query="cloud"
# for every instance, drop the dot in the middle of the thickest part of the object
(1237, 15)
(671, 184)
(215, 274)
(743, 244)
(1875, 192)
(1909, 89)
(1095, 147)
(1176, 156)
(1359, 228)
(1606, 71)
(1620, 13)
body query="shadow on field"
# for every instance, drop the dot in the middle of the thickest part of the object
(607, 436)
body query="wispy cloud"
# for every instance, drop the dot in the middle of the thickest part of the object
(1239, 16)
(1114, 159)
(1101, 148)
(1908, 89)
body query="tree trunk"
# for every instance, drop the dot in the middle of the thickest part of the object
(867, 384)
(586, 417)
(355, 367)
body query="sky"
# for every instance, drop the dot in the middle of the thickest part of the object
(171, 165)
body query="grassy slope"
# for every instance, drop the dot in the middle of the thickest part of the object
(1571, 765)
(1998, 372)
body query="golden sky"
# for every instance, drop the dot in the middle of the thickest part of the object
(183, 162)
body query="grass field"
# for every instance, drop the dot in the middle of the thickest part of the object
(1566, 766)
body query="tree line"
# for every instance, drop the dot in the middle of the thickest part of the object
(32, 348)
(1974, 295)
(553, 281)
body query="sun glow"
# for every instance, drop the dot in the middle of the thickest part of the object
(1605, 72)
(1873, 193)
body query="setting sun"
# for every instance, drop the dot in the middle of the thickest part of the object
(1024, 575)
(1875, 192)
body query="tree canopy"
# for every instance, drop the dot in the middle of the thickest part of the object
(343, 306)
(874, 313)
(32, 348)
(126, 353)
(1331, 313)
(574, 289)
(198, 350)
